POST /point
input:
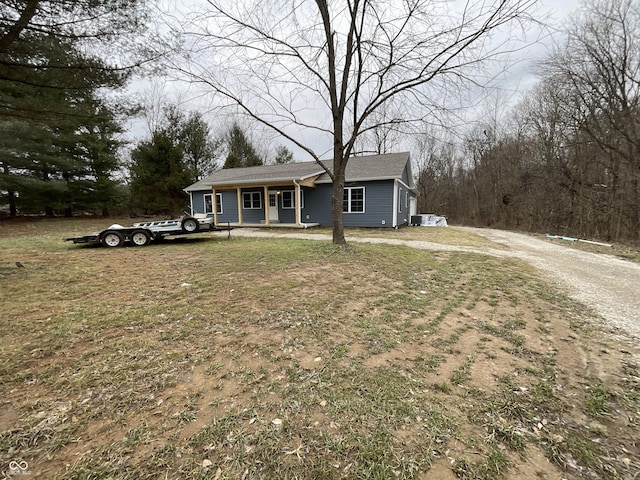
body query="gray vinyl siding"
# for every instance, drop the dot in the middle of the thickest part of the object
(317, 202)
(405, 217)
(229, 207)
(287, 215)
(405, 176)
(197, 200)
(378, 208)
(229, 204)
(252, 215)
(379, 201)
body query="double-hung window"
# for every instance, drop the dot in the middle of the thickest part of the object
(289, 199)
(251, 200)
(353, 200)
(208, 202)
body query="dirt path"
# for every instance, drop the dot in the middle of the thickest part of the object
(609, 285)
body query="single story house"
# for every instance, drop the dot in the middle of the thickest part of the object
(379, 192)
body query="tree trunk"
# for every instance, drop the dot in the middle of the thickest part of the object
(13, 210)
(337, 204)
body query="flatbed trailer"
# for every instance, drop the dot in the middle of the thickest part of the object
(142, 233)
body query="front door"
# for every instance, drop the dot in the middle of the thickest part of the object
(273, 207)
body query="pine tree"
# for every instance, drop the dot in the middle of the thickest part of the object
(192, 133)
(58, 147)
(158, 175)
(240, 150)
(283, 155)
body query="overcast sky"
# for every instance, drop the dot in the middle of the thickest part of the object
(517, 80)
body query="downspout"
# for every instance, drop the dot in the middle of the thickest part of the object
(298, 206)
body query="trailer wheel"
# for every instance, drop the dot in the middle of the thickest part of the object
(112, 239)
(140, 238)
(190, 225)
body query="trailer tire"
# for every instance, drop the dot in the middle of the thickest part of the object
(140, 238)
(190, 225)
(112, 239)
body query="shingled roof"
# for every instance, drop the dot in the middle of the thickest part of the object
(365, 168)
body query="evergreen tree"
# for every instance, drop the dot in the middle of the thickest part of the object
(192, 133)
(240, 150)
(179, 153)
(283, 155)
(58, 146)
(94, 23)
(158, 175)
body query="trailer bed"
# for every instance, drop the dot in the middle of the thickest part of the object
(142, 233)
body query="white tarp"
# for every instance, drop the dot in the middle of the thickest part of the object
(431, 220)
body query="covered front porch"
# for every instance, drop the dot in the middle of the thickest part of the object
(270, 225)
(277, 204)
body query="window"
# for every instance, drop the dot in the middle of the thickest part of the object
(400, 199)
(251, 200)
(208, 202)
(289, 199)
(353, 200)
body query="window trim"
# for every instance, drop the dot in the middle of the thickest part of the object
(348, 201)
(293, 199)
(253, 204)
(218, 203)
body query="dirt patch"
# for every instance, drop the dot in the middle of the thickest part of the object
(288, 358)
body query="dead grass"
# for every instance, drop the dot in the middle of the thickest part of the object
(275, 358)
(445, 236)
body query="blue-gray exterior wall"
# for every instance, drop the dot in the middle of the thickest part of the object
(378, 208)
(197, 201)
(229, 205)
(378, 211)
(405, 175)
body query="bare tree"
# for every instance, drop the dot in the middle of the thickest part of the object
(599, 66)
(324, 68)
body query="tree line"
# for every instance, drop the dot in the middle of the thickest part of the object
(182, 150)
(566, 158)
(62, 121)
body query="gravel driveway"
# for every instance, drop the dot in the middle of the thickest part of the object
(609, 285)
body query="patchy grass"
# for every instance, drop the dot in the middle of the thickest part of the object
(445, 236)
(274, 358)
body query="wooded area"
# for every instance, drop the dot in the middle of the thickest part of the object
(59, 132)
(565, 159)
